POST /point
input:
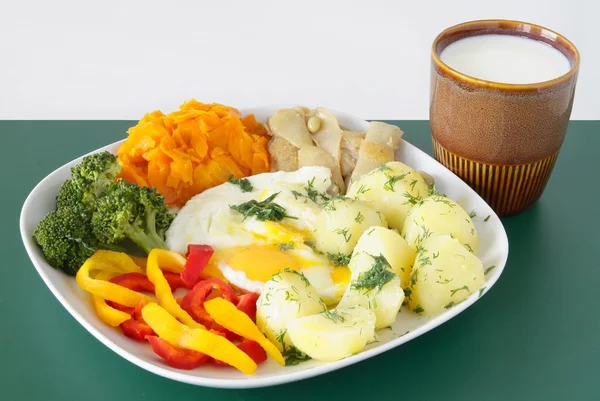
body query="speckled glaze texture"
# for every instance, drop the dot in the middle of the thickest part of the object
(493, 135)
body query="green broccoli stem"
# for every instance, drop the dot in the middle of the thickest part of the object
(145, 241)
(112, 247)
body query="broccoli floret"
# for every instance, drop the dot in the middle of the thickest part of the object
(66, 238)
(68, 195)
(130, 211)
(91, 178)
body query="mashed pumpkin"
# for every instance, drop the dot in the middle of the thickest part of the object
(200, 146)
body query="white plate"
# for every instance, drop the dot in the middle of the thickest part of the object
(492, 251)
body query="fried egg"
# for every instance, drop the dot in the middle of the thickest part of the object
(248, 251)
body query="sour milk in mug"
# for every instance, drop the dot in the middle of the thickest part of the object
(505, 59)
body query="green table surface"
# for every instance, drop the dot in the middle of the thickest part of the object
(534, 336)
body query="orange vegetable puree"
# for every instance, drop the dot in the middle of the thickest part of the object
(200, 146)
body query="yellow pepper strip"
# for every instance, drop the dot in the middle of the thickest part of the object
(229, 316)
(141, 262)
(115, 262)
(170, 329)
(105, 289)
(170, 261)
(111, 316)
(212, 271)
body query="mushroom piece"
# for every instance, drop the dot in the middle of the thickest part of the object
(329, 135)
(284, 155)
(290, 124)
(315, 156)
(378, 147)
(350, 147)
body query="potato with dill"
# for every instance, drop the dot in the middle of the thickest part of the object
(374, 283)
(333, 334)
(439, 215)
(340, 224)
(287, 295)
(401, 256)
(393, 189)
(444, 275)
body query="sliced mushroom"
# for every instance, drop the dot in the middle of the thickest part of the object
(315, 156)
(329, 135)
(378, 147)
(350, 147)
(290, 124)
(284, 155)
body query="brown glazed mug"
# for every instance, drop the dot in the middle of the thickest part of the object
(501, 139)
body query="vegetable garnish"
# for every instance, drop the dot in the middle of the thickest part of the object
(178, 358)
(265, 210)
(109, 315)
(193, 302)
(376, 277)
(200, 146)
(130, 211)
(65, 234)
(177, 334)
(107, 260)
(169, 261)
(197, 259)
(339, 259)
(244, 183)
(226, 314)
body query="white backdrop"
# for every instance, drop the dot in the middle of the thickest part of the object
(69, 59)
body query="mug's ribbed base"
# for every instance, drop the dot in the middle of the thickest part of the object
(508, 189)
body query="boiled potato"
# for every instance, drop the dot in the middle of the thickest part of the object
(334, 334)
(286, 296)
(400, 256)
(380, 260)
(373, 283)
(439, 215)
(445, 274)
(393, 189)
(341, 222)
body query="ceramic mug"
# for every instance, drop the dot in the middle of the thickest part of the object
(501, 139)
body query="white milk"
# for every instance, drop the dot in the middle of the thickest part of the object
(506, 59)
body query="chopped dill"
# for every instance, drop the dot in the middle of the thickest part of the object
(244, 183)
(264, 210)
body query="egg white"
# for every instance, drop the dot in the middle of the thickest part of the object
(208, 219)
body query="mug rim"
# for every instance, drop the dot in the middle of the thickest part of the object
(511, 27)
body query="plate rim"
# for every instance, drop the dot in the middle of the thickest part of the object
(249, 381)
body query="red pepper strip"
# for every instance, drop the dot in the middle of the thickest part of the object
(193, 302)
(137, 311)
(247, 304)
(174, 279)
(140, 283)
(231, 336)
(127, 309)
(253, 350)
(250, 348)
(179, 358)
(134, 281)
(137, 329)
(197, 259)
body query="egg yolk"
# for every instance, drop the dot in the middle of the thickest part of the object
(284, 234)
(340, 275)
(261, 262)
